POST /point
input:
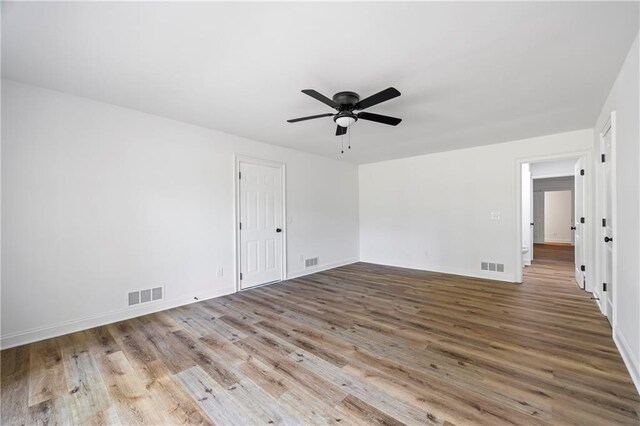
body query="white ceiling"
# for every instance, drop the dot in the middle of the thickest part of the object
(469, 73)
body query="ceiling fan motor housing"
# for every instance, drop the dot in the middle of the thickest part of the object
(346, 100)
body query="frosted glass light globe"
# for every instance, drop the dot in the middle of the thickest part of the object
(345, 121)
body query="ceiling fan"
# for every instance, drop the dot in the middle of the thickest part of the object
(347, 103)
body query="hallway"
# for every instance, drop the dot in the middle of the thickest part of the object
(554, 253)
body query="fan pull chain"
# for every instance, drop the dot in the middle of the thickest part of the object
(342, 144)
(349, 138)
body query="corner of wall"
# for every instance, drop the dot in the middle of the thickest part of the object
(319, 268)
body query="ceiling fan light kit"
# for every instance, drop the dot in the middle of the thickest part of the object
(347, 103)
(345, 119)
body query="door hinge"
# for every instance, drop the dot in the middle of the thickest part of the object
(604, 286)
(581, 172)
(239, 175)
(604, 222)
(582, 268)
(582, 220)
(602, 158)
(240, 276)
(240, 225)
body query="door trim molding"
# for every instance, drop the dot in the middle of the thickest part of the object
(551, 176)
(237, 160)
(610, 125)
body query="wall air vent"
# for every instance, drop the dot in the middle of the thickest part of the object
(492, 266)
(145, 296)
(156, 293)
(134, 298)
(312, 261)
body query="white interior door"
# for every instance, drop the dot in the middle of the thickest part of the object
(608, 286)
(538, 217)
(260, 227)
(579, 224)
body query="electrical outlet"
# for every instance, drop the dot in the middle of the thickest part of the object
(220, 272)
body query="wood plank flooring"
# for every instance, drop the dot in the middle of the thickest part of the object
(361, 344)
(554, 253)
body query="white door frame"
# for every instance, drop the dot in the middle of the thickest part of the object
(236, 183)
(610, 125)
(552, 176)
(588, 195)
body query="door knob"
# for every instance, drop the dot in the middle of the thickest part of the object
(278, 230)
(607, 239)
(573, 228)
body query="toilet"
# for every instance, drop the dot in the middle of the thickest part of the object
(525, 260)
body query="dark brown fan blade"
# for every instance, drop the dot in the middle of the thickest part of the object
(341, 131)
(311, 117)
(384, 119)
(372, 100)
(322, 98)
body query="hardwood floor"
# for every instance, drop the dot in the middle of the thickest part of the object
(360, 344)
(553, 253)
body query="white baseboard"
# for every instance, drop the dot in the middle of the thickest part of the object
(596, 297)
(630, 361)
(66, 327)
(487, 275)
(320, 268)
(558, 241)
(41, 333)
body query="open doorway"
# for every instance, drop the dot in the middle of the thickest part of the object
(553, 218)
(553, 222)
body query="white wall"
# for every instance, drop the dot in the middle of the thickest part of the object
(98, 200)
(552, 168)
(557, 217)
(527, 211)
(434, 212)
(624, 99)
